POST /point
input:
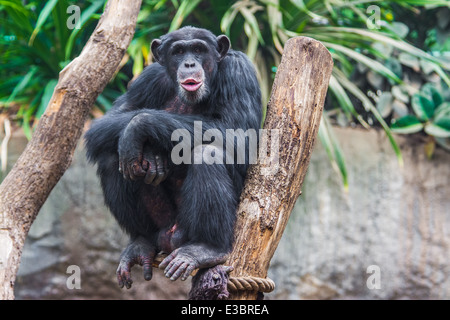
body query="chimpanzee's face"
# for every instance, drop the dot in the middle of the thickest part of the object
(193, 64)
(191, 57)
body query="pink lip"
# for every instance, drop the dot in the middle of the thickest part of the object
(191, 85)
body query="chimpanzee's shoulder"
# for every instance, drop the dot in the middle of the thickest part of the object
(237, 63)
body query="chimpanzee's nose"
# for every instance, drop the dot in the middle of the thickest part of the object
(189, 64)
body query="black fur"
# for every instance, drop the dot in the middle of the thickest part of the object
(204, 206)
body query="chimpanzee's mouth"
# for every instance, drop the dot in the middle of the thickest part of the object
(191, 84)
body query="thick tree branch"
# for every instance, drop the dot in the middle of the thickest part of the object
(50, 151)
(271, 190)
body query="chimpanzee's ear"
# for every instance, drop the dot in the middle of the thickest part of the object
(155, 50)
(223, 46)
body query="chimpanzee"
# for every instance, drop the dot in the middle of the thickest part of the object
(187, 209)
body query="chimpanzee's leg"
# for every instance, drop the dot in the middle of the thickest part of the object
(207, 216)
(141, 210)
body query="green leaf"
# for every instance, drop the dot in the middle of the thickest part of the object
(440, 129)
(442, 111)
(344, 101)
(85, 16)
(227, 20)
(253, 22)
(400, 29)
(371, 63)
(101, 99)
(48, 92)
(42, 18)
(422, 107)
(407, 125)
(426, 66)
(409, 60)
(384, 104)
(22, 84)
(368, 105)
(26, 126)
(18, 14)
(442, 74)
(183, 11)
(59, 17)
(396, 43)
(429, 91)
(399, 93)
(333, 149)
(443, 122)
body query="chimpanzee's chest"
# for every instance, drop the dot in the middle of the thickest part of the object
(176, 105)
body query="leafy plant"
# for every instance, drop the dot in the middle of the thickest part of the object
(431, 114)
(342, 26)
(37, 45)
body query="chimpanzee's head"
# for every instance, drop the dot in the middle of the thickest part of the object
(191, 56)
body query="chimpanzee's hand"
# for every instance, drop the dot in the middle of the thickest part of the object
(156, 165)
(130, 157)
(139, 252)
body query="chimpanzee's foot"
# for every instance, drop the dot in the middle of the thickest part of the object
(182, 261)
(140, 252)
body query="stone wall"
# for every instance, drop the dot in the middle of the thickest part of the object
(396, 219)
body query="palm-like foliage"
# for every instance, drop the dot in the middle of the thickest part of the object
(342, 26)
(37, 44)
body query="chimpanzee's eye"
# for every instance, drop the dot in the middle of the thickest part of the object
(199, 48)
(178, 50)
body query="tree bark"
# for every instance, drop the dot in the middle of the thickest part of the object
(271, 189)
(50, 151)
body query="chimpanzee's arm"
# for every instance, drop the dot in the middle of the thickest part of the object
(235, 103)
(103, 136)
(150, 90)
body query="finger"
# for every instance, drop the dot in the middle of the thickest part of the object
(159, 178)
(151, 171)
(148, 271)
(179, 271)
(138, 170)
(159, 163)
(150, 176)
(120, 280)
(172, 267)
(128, 282)
(124, 277)
(124, 170)
(145, 165)
(130, 173)
(131, 170)
(160, 171)
(168, 259)
(228, 269)
(188, 272)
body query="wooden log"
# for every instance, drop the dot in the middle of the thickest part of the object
(271, 190)
(50, 151)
